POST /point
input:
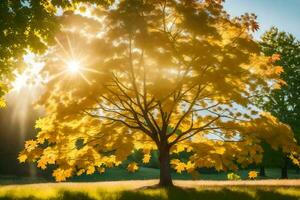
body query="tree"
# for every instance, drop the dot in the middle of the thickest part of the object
(27, 26)
(271, 159)
(285, 103)
(168, 75)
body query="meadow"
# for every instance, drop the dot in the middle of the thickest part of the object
(118, 184)
(123, 190)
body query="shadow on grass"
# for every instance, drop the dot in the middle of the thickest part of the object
(173, 194)
(268, 195)
(62, 195)
(187, 194)
(223, 194)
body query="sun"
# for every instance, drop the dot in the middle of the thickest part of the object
(73, 63)
(73, 66)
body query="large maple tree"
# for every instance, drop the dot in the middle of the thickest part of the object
(160, 75)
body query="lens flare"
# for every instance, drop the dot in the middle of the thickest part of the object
(73, 66)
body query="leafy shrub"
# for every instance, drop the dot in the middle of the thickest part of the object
(233, 176)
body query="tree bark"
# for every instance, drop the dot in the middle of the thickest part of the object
(262, 171)
(165, 179)
(284, 173)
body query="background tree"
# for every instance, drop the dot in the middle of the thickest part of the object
(168, 75)
(285, 103)
(25, 26)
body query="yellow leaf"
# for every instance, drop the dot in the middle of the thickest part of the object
(22, 158)
(190, 167)
(90, 170)
(175, 162)
(101, 170)
(180, 167)
(30, 145)
(146, 158)
(275, 57)
(278, 69)
(253, 174)
(42, 163)
(80, 172)
(132, 167)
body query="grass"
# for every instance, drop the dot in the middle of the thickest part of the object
(108, 186)
(132, 190)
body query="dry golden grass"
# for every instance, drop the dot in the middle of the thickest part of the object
(122, 190)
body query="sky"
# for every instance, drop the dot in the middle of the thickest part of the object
(284, 14)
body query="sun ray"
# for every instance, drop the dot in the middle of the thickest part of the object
(62, 47)
(70, 47)
(85, 78)
(90, 70)
(54, 76)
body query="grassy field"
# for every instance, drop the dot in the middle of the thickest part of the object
(113, 185)
(134, 190)
(119, 174)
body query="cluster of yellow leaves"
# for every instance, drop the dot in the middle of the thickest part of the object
(181, 166)
(132, 167)
(252, 175)
(46, 158)
(90, 170)
(62, 174)
(224, 155)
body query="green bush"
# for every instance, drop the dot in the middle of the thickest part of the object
(233, 176)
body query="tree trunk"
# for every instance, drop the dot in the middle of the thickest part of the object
(284, 173)
(262, 171)
(165, 179)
